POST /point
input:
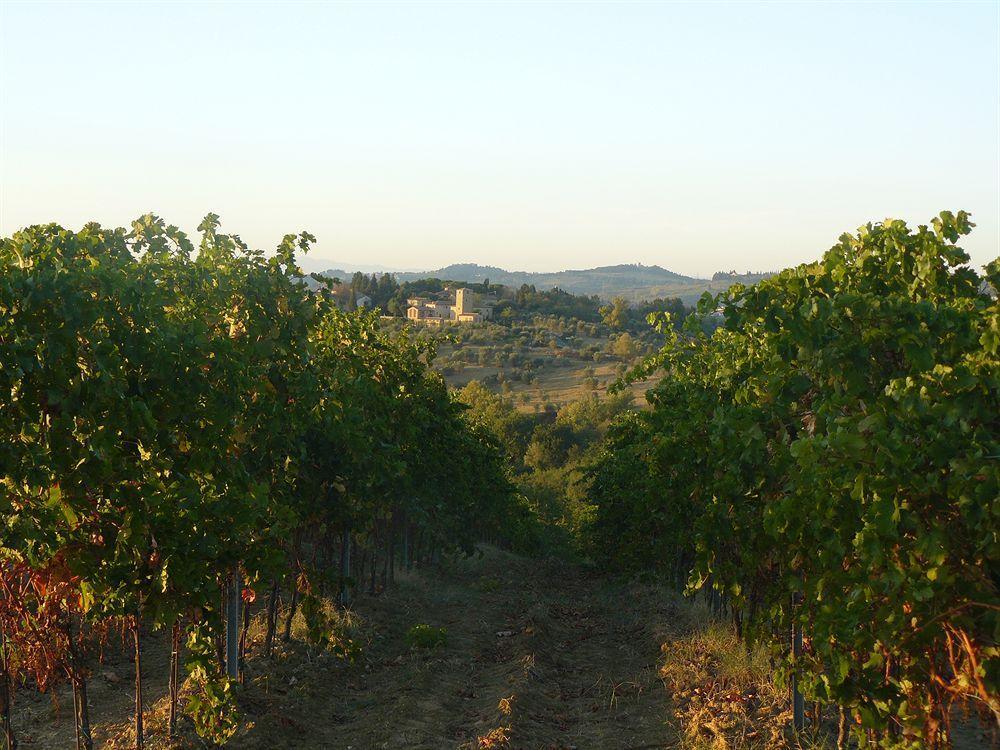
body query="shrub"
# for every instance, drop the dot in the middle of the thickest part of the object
(426, 637)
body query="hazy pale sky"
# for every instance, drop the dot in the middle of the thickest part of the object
(531, 136)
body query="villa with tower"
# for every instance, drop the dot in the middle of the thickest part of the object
(465, 307)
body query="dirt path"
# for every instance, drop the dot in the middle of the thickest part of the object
(538, 655)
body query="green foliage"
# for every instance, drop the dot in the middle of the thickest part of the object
(426, 637)
(547, 447)
(674, 307)
(489, 584)
(836, 440)
(327, 629)
(622, 346)
(615, 316)
(548, 452)
(212, 707)
(381, 288)
(173, 413)
(499, 415)
(529, 302)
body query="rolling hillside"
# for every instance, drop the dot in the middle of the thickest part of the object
(633, 281)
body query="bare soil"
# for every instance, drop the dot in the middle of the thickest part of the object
(539, 654)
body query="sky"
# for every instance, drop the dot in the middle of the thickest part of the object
(531, 136)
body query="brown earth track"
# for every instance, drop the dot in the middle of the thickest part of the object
(576, 669)
(572, 660)
(540, 655)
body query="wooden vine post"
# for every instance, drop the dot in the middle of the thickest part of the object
(345, 566)
(244, 636)
(292, 605)
(5, 696)
(407, 559)
(81, 718)
(374, 570)
(233, 626)
(175, 652)
(391, 563)
(272, 618)
(798, 701)
(137, 642)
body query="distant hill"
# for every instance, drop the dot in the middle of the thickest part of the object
(603, 281)
(748, 278)
(633, 281)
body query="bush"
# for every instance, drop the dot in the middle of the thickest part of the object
(425, 637)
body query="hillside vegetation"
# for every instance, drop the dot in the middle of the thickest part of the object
(234, 512)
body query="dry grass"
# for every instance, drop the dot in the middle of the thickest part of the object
(724, 695)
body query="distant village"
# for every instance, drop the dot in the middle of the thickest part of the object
(435, 302)
(450, 304)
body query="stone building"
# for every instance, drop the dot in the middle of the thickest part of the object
(464, 307)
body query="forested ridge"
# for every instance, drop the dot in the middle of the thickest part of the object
(198, 442)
